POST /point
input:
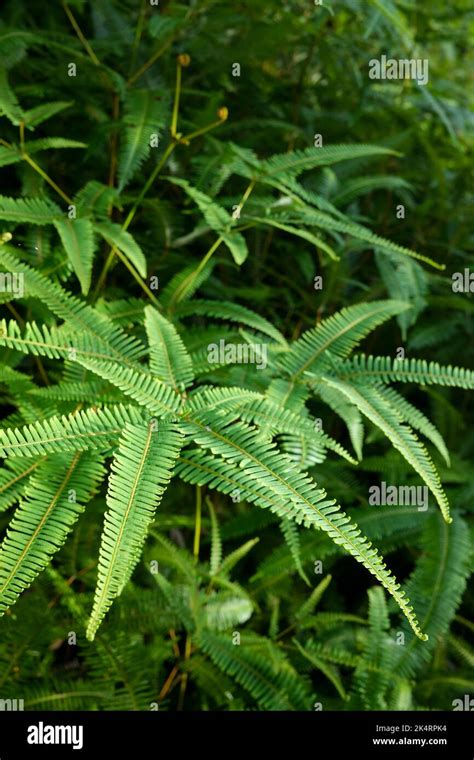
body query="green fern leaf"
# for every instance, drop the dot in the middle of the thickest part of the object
(52, 504)
(77, 237)
(141, 470)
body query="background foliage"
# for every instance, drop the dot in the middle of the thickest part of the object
(308, 639)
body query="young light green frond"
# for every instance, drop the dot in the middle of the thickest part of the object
(77, 237)
(143, 387)
(416, 419)
(217, 218)
(54, 500)
(141, 470)
(383, 413)
(123, 240)
(81, 430)
(32, 210)
(295, 162)
(232, 312)
(145, 115)
(169, 359)
(387, 369)
(338, 335)
(278, 485)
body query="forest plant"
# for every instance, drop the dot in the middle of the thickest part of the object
(122, 394)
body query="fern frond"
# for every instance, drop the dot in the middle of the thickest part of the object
(218, 219)
(123, 240)
(141, 470)
(338, 335)
(302, 160)
(94, 428)
(14, 477)
(388, 369)
(416, 419)
(273, 688)
(54, 499)
(77, 315)
(278, 485)
(232, 312)
(144, 116)
(29, 210)
(169, 359)
(381, 413)
(9, 105)
(77, 237)
(143, 387)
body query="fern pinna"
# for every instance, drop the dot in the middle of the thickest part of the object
(152, 406)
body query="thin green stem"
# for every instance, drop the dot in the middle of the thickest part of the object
(197, 524)
(46, 177)
(79, 33)
(177, 92)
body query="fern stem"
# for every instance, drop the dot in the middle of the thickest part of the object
(46, 177)
(197, 524)
(79, 33)
(150, 61)
(177, 92)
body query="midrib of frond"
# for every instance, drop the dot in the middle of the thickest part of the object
(357, 551)
(124, 519)
(137, 135)
(67, 349)
(66, 437)
(168, 361)
(332, 338)
(21, 475)
(43, 520)
(236, 483)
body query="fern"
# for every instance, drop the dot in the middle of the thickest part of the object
(141, 469)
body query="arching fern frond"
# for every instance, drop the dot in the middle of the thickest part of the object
(55, 497)
(141, 470)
